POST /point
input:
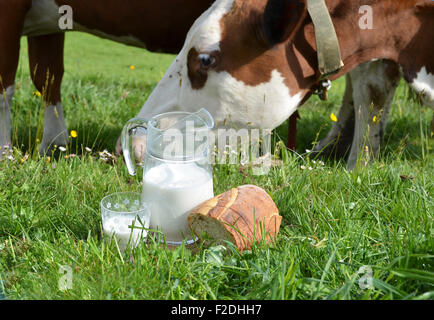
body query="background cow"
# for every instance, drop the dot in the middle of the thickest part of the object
(258, 78)
(155, 25)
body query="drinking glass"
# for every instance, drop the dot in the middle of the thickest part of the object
(126, 217)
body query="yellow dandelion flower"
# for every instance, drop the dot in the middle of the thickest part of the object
(132, 67)
(74, 134)
(37, 93)
(333, 117)
(375, 119)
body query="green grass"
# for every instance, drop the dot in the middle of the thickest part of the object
(334, 221)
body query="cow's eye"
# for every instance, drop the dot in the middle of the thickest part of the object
(207, 61)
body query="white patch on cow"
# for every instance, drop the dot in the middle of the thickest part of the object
(42, 18)
(424, 84)
(235, 104)
(5, 117)
(205, 34)
(231, 102)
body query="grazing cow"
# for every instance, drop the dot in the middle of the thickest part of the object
(155, 25)
(251, 63)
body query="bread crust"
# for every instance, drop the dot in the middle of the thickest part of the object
(247, 214)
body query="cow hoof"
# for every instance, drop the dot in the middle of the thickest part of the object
(351, 164)
(325, 147)
(49, 145)
(337, 148)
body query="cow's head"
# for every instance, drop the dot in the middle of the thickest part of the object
(235, 65)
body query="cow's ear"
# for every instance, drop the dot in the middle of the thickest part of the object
(282, 19)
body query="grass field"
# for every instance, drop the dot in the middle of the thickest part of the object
(335, 222)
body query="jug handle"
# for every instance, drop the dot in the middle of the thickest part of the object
(127, 132)
(206, 117)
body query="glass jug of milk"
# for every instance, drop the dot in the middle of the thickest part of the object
(177, 172)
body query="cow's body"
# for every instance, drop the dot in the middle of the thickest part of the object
(264, 61)
(155, 25)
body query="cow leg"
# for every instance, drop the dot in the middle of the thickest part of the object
(5, 119)
(291, 143)
(46, 68)
(374, 86)
(12, 15)
(340, 135)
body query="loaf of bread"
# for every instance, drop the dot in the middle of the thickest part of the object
(242, 215)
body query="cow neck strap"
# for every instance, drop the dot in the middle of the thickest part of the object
(328, 50)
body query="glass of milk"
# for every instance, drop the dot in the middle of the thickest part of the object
(177, 172)
(126, 217)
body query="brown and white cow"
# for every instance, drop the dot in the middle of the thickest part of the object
(251, 63)
(155, 25)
